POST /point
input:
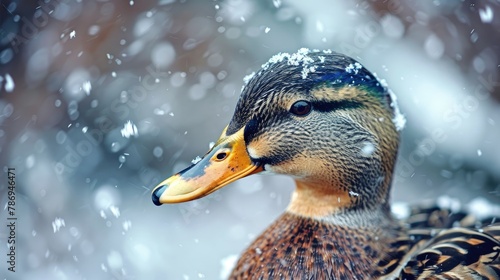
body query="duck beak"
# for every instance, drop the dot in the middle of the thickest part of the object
(226, 162)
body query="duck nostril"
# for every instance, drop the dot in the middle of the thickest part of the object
(221, 156)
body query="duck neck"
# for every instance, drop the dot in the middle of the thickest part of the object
(341, 205)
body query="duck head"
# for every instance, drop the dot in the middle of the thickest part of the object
(318, 116)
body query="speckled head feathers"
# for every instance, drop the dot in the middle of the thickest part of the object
(345, 146)
(304, 71)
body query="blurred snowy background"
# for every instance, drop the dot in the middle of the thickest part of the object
(73, 74)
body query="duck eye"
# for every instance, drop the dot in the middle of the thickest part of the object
(300, 108)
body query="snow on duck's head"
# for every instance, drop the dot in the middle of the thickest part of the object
(306, 70)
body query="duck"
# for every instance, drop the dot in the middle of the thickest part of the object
(325, 120)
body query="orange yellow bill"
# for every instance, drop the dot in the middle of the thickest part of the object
(226, 162)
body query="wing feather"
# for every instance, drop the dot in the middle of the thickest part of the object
(442, 244)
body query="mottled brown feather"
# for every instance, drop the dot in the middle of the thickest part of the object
(295, 247)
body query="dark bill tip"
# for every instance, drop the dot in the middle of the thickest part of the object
(157, 194)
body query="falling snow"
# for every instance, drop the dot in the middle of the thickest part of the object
(319, 26)
(115, 211)
(103, 214)
(351, 193)
(196, 160)
(57, 224)
(126, 225)
(367, 149)
(129, 129)
(9, 83)
(87, 86)
(486, 15)
(400, 210)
